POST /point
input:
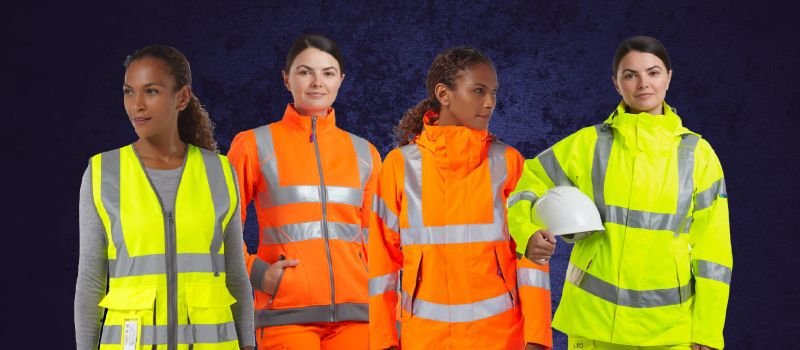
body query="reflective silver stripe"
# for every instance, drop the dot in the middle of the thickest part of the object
(220, 197)
(602, 153)
(109, 193)
(553, 169)
(156, 264)
(643, 219)
(522, 196)
(187, 334)
(706, 198)
(685, 177)
(382, 284)
(280, 195)
(533, 278)
(713, 271)
(310, 230)
(312, 314)
(627, 297)
(364, 157)
(417, 233)
(458, 312)
(389, 218)
(365, 234)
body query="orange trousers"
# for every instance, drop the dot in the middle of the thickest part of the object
(312, 336)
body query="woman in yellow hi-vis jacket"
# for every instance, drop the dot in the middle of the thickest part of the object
(160, 234)
(659, 275)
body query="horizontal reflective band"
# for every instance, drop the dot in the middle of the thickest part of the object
(383, 212)
(460, 312)
(281, 195)
(643, 219)
(155, 264)
(467, 233)
(522, 196)
(553, 169)
(311, 314)
(187, 334)
(533, 278)
(382, 284)
(713, 271)
(310, 230)
(706, 198)
(627, 297)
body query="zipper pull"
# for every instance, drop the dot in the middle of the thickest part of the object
(313, 128)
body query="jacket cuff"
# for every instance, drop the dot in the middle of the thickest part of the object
(257, 273)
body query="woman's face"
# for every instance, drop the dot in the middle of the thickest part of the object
(642, 80)
(472, 101)
(150, 98)
(314, 80)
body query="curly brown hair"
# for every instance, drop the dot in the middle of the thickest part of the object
(194, 125)
(446, 68)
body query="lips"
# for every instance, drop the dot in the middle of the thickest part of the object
(316, 94)
(140, 120)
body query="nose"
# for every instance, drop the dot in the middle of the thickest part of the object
(644, 83)
(316, 81)
(490, 101)
(138, 102)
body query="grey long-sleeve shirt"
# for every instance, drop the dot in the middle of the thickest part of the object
(93, 263)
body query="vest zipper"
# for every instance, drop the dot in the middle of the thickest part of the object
(324, 199)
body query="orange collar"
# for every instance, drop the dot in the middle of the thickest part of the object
(455, 148)
(303, 122)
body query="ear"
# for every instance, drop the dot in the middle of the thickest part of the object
(616, 86)
(285, 80)
(442, 94)
(342, 79)
(184, 97)
(669, 79)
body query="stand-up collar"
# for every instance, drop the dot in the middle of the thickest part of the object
(647, 131)
(455, 148)
(303, 122)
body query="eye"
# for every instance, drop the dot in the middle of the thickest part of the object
(655, 73)
(628, 76)
(303, 72)
(478, 90)
(151, 91)
(330, 74)
(127, 92)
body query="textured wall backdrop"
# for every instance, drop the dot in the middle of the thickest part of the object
(734, 82)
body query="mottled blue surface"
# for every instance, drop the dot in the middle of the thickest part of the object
(734, 82)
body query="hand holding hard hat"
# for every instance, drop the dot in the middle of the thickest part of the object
(565, 211)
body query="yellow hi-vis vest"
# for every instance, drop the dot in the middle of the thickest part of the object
(166, 269)
(660, 273)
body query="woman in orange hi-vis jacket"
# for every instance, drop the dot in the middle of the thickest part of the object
(439, 218)
(312, 184)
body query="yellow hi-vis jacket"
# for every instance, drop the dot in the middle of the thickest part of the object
(660, 273)
(166, 269)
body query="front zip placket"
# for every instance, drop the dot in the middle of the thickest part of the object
(323, 192)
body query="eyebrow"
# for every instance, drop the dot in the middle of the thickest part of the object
(309, 68)
(145, 85)
(646, 69)
(486, 86)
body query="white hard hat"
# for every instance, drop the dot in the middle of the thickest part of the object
(565, 210)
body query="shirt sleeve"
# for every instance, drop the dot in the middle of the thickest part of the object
(238, 282)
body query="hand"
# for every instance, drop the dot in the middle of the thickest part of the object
(541, 247)
(532, 346)
(270, 279)
(696, 346)
(247, 348)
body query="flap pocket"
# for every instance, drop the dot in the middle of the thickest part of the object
(208, 295)
(506, 265)
(412, 263)
(129, 298)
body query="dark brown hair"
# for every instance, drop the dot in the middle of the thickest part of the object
(640, 43)
(194, 125)
(318, 42)
(446, 68)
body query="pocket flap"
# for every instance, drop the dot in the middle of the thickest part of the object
(129, 298)
(208, 295)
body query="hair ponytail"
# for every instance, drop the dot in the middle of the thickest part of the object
(410, 124)
(195, 126)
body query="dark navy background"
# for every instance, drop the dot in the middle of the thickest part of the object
(735, 82)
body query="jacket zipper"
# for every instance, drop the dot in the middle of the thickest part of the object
(324, 199)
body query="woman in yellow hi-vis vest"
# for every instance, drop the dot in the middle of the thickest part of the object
(160, 234)
(658, 276)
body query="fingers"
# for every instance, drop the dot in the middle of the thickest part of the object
(285, 263)
(549, 236)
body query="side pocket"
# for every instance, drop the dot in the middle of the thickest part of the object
(131, 309)
(277, 284)
(506, 266)
(683, 266)
(210, 315)
(412, 264)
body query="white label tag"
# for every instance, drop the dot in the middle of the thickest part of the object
(130, 334)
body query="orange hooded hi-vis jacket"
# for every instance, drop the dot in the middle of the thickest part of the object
(439, 215)
(312, 184)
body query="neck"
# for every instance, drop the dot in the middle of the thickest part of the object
(161, 152)
(447, 119)
(312, 113)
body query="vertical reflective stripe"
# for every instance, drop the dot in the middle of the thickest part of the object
(365, 234)
(382, 284)
(498, 170)
(711, 270)
(533, 278)
(707, 197)
(266, 156)
(457, 312)
(219, 196)
(522, 196)
(413, 184)
(685, 177)
(364, 157)
(602, 153)
(385, 214)
(110, 190)
(553, 169)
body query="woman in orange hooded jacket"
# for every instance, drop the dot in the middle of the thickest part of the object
(312, 184)
(438, 225)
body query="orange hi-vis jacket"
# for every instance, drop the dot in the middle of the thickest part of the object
(312, 184)
(439, 226)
